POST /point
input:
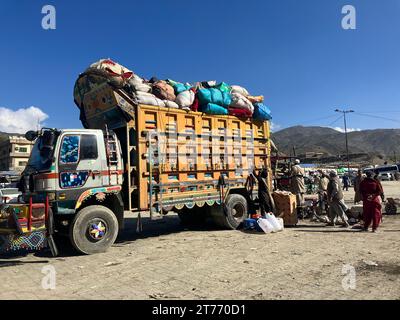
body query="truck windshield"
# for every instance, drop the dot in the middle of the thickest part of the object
(6, 192)
(42, 153)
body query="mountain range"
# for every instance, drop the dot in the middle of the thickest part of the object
(377, 145)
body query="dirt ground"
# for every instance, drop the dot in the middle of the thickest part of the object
(167, 261)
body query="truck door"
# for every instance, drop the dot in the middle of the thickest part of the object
(79, 164)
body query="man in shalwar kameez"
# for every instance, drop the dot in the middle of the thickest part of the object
(335, 200)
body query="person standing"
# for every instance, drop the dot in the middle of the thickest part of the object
(297, 185)
(322, 189)
(335, 200)
(371, 191)
(346, 182)
(264, 198)
(357, 181)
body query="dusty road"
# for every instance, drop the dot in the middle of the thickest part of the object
(167, 261)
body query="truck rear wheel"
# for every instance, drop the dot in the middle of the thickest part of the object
(234, 213)
(94, 229)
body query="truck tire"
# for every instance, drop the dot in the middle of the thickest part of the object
(232, 214)
(94, 229)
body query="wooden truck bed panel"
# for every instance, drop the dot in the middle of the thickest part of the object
(190, 150)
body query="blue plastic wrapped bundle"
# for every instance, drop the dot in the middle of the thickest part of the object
(261, 112)
(212, 108)
(178, 86)
(214, 96)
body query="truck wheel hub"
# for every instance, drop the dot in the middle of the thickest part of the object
(238, 211)
(97, 229)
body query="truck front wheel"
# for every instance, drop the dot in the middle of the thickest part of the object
(94, 229)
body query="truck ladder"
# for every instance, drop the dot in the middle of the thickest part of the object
(154, 163)
(112, 155)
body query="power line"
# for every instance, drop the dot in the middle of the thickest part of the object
(383, 112)
(377, 117)
(317, 119)
(332, 123)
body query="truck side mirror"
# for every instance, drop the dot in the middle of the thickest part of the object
(31, 135)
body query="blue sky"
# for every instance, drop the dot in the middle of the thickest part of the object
(295, 53)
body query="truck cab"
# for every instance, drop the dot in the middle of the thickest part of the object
(80, 172)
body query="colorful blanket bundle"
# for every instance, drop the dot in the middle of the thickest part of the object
(209, 97)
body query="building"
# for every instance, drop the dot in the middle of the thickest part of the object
(14, 153)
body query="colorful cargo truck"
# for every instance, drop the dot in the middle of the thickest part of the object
(135, 157)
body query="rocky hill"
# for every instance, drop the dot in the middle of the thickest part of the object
(379, 144)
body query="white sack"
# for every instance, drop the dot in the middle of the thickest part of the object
(170, 104)
(138, 84)
(149, 99)
(241, 102)
(185, 99)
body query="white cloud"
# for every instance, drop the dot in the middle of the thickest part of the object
(348, 129)
(275, 127)
(21, 120)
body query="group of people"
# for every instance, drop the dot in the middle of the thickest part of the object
(367, 189)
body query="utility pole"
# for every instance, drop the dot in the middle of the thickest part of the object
(345, 133)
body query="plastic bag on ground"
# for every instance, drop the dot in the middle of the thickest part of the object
(274, 222)
(281, 223)
(265, 225)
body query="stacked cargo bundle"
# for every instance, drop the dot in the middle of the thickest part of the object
(208, 96)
